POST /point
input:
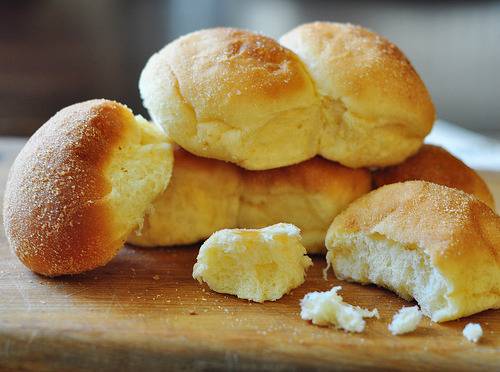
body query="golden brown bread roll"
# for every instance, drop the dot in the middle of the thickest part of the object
(202, 197)
(207, 195)
(81, 184)
(241, 97)
(234, 95)
(425, 241)
(435, 164)
(376, 108)
(309, 195)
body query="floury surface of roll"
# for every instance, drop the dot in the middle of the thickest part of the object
(435, 244)
(376, 108)
(233, 95)
(435, 164)
(81, 184)
(207, 195)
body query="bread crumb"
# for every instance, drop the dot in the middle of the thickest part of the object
(328, 308)
(473, 332)
(156, 277)
(405, 320)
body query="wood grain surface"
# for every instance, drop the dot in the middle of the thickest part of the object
(144, 311)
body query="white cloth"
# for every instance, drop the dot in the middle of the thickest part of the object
(477, 151)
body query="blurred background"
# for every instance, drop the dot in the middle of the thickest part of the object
(54, 53)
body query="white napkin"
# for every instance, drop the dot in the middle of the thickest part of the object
(475, 150)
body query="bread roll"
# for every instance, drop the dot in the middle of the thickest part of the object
(435, 164)
(258, 265)
(81, 184)
(207, 195)
(202, 197)
(241, 97)
(308, 195)
(435, 244)
(234, 95)
(376, 108)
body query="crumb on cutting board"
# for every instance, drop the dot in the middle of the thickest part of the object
(405, 320)
(328, 308)
(473, 332)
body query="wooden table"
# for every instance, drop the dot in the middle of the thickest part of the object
(144, 311)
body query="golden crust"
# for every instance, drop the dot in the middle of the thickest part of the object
(56, 218)
(435, 164)
(442, 214)
(313, 175)
(367, 71)
(257, 64)
(459, 233)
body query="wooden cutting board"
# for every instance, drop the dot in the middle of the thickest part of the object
(144, 311)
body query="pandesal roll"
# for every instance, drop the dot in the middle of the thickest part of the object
(435, 244)
(376, 108)
(81, 184)
(202, 197)
(309, 195)
(234, 95)
(435, 164)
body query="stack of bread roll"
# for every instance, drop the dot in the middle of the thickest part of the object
(291, 127)
(247, 132)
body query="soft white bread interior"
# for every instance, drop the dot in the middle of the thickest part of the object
(258, 265)
(376, 108)
(435, 164)
(435, 244)
(81, 184)
(206, 195)
(309, 195)
(241, 97)
(234, 95)
(202, 197)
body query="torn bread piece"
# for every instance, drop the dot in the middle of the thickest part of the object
(405, 320)
(253, 264)
(328, 308)
(473, 332)
(437, 245)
